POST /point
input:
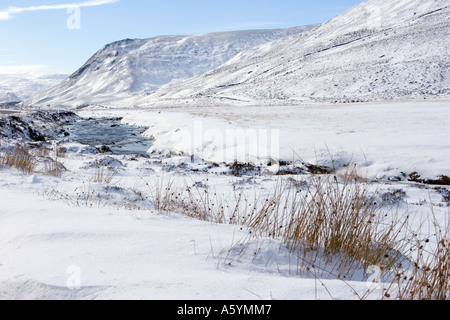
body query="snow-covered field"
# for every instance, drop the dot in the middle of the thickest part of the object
(89, 234)
(383, 139)
(53, 251)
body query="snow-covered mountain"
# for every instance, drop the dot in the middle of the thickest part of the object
(378, 50)
(18, 86)
(126, 67)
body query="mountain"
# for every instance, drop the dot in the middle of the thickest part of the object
(127, 67)
(377, 50)
(8, 96)
(19, 86)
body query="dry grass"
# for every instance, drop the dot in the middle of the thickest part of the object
(29, 161)
(103, 174)
(19, 157)
(328, 216)
(197, 202)
(428, 276)
(54, 168)
(83, 196)
(332, 218)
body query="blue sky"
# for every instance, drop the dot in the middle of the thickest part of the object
(43, 34)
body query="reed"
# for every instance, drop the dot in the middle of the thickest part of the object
(19, 157)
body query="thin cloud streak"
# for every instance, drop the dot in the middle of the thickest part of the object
(8, 13)
(18, 69)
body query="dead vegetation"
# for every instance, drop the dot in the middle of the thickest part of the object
(19, 157)
(336, 217)
(103, 174)
(32, 160)
(427, 277)
(331, 225)
(332, 218)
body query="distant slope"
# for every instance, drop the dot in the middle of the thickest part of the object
(126, 67)
(16, 87)
(378, 50)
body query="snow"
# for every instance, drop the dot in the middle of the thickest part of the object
(376, 51)
(383, 139)
(53, 251)
(140, 66)
(74, 238)
(93, 234)
(16, 86)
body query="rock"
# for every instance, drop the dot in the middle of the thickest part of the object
(104, 149)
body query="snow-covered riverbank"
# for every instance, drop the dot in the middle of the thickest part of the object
(386, 140)
(96, 232)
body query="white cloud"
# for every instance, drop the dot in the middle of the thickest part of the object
(4, 15)
(19, 69)
(30, 72)
(8, 13)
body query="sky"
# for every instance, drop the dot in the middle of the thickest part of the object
(61, 35)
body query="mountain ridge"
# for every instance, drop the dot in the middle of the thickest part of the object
(18, 86)
(130, 66)
(378, 50)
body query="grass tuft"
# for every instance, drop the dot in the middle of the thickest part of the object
(19, 157)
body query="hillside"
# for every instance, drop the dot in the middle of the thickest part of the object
(378, 50)
(131, 66)
(18, 86)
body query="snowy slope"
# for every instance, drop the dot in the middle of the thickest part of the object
(51, 251)
(19, 86)
(378, 50)
(141, 66)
